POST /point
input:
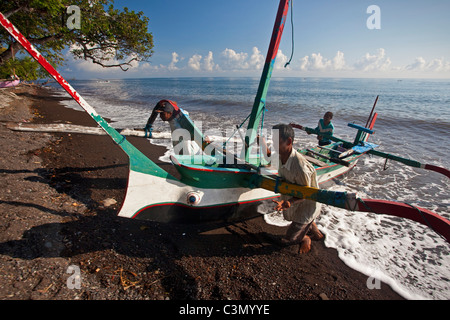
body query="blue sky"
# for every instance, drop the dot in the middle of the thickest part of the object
(230, 38)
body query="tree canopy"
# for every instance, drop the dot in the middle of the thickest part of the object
(106, 36)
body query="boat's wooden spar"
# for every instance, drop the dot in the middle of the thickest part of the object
(350, 201)
(411, 163)
(137, 160)
(260, 98)
(408, 162)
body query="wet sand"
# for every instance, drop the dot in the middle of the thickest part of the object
(53, 215)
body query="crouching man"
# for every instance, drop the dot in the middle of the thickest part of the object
(294, 168)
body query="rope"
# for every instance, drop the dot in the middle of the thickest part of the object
(261, 131)
(347, 203)
(121, 141)
(277, 183)
(425, 219)
(240, 126)
(292, 26)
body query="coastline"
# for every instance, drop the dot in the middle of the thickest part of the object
(68, 223)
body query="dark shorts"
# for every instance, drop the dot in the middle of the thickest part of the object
(324, 142)
(297, 231)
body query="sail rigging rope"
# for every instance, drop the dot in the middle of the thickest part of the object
(261, 132)
(425, 219)
(122, 140)
(237, 129)
(292, 27)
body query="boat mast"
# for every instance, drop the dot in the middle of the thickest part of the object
(260, 100)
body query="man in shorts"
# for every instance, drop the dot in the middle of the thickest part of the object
(294, 168)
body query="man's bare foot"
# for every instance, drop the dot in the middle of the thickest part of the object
(305, 245)
(316, 236)
(315, 232)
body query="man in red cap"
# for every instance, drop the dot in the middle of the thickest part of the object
(178, 119)
(168, 111)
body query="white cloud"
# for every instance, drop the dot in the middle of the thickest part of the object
(376, 62)
(314, 63)
(172, 65)
(194, 62)
(339, 61)
(208, 62)
(435, 65)
(280, 61)
(419, 64)
(438, 65)
(318, 63)
(234, 60)
(198, 63)
(257, 59)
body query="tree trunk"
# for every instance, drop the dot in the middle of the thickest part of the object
(8, 54)
(15, 46)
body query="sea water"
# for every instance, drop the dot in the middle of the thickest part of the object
(413, 122)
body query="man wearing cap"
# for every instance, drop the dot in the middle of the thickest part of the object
(178, 119)
(168, 110)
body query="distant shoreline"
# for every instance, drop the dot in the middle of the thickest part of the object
(257, 77)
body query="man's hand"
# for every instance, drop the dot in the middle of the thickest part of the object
(282, 205)
(293, 125)
(286, 204)
(148, 130)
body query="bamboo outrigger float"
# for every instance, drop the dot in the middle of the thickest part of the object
(208, 191)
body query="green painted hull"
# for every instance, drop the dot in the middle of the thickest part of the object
(205, 172)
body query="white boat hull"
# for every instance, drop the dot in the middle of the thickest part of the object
(160, 199)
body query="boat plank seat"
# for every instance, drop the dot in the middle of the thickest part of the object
(315, 161)
(331, 150)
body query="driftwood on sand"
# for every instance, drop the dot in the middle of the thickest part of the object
(72, 128)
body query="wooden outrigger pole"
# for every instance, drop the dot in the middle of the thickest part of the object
(361, 141)
(260, 100)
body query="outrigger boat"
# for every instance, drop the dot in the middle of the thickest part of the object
(209, 191)
(9, 83)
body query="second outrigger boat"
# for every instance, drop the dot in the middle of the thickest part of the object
(208, 191)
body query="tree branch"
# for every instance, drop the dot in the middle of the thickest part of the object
(10, 13)
(20, 7)
(120, 65)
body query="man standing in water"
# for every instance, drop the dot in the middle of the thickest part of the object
(325, 127)
(323, 130)
(294, 168)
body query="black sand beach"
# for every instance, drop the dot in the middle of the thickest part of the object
(53, 215)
